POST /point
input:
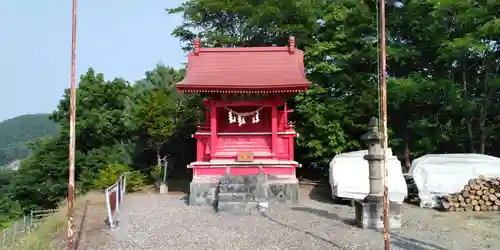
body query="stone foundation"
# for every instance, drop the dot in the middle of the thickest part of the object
(370, 215)
(202, 190)
(163, 188)
(242, 191)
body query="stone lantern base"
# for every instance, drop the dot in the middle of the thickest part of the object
(370, 214)
(163, 188)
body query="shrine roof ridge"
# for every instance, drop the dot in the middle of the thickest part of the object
(244, 49)
(290, 48)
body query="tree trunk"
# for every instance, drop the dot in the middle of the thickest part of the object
(407, 158)
(485, 108)
(158, 157)
(468, 118)
(472, 148)
(482, 122)
(482, 145)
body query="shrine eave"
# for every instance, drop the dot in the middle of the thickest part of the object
(226, 90)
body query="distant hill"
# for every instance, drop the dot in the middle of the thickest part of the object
(15, 132)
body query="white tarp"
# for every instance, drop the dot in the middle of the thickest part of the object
(349, 176)
(437, 175)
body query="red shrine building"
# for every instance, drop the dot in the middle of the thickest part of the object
(246, 130)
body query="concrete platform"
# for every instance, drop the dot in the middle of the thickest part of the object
(243, 188)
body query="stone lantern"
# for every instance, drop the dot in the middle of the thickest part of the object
(369, 212)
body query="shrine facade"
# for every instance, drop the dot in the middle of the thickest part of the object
(246, 131)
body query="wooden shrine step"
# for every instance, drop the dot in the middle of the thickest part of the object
(242, 146)
(235, 153)
(228, 144)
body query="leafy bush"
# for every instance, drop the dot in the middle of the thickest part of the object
(156, 173)
(109, 175)
(11, 210)
(135, 181)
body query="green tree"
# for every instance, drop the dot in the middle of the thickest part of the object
(431, 109)
(158, 111)
(328, 33)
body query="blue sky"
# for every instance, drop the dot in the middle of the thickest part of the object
(120, 38)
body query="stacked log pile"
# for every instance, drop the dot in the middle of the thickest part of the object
(480, 194)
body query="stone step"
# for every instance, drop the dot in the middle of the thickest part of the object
(232, 206)
(239, 187)
(244, 183)
(235, 197)
(233, 188)
(239, 179)
(240, 193)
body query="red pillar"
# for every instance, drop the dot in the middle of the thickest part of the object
(274, 130)
(213, 128)
(285, 113)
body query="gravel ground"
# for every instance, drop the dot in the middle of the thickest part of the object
(154, 221)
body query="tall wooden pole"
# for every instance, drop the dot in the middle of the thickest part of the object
(72, 129)
(383, 114)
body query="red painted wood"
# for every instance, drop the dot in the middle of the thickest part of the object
(285, 112)
(257, 138)
(199, 150)
(252, 69)
(264, 125)
(274, 130)
(238, 143)
(250, 170)
(205, 151)
(228, 147)
(248, 103)
(213, 128)
(113, 193)
(225, 72)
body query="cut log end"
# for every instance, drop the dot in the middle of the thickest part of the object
(480, 194)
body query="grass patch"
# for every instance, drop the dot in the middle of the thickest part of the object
(47, 235)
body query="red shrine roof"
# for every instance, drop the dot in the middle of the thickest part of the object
(245, 70)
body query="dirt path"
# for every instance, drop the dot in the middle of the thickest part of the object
(90, 227)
